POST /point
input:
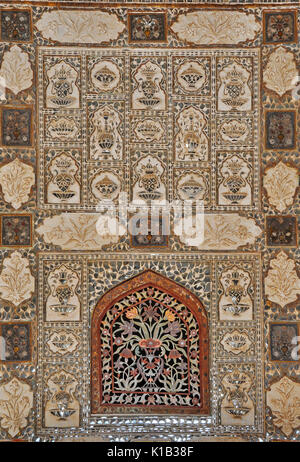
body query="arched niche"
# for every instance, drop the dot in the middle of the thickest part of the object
(149, 349)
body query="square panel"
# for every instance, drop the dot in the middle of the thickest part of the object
(148, 129)
(280, 26)
(16, 230)
(105, 75)
(283, 336)
(16, 25)
(150, 233)
(280, 130)
(104, 184)
(281, 231)
(234, 131)
(17, 341)
(62, 128)
(191, 184)
(147, 28)
(16, 128)
(235, 342)
(191, 75)
(62, 342)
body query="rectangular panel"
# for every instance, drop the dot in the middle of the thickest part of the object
(201, 107)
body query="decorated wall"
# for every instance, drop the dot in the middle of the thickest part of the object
(111, 330)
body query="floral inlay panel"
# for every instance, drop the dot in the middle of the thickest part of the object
(153, 349)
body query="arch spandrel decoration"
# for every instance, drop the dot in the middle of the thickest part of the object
(149, 340)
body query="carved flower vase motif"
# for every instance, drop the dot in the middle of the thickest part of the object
(105, 185)
(237, 407)
(62, 342)
(62, 90)
(234, 131)
(149, 93)
(149, 185)
(105, 76)
(62, 408)
(234, 188)
(234, 92)
(149, 130)
(63, 302)
(63, 186)
(62, 128)
(235, 302)
(191, 76)
(191, 142)
(236, 342)
(106, 141)
(192, 186)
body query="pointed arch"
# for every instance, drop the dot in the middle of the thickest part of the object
(149, 349)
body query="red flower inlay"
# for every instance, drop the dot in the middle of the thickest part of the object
(126, 353)
(150, 343)
(174, 354)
